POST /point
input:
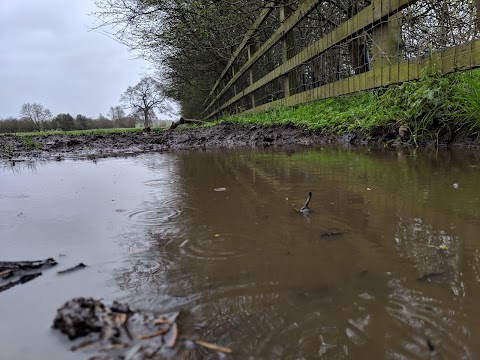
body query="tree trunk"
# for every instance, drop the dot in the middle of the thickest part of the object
(146, 122)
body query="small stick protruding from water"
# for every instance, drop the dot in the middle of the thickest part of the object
(305, 207)
(77, 267)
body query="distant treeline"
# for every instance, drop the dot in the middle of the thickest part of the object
(64, 122)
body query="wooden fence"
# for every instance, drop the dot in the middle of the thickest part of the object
(320, 49)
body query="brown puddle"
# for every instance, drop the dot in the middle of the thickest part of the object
(386, 262)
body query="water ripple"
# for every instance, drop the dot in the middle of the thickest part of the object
(154, 216)
(428, 319)
(159, 183)
(216, 246)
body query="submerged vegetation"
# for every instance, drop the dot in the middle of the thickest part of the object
(421, 108)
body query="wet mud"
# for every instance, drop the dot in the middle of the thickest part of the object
(227, 135)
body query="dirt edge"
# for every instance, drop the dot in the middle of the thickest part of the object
(224, 135)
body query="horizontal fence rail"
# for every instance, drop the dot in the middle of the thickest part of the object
(321, 49)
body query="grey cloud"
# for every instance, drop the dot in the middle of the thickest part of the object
(47, 55)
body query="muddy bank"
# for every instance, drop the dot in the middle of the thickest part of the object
(224, 135)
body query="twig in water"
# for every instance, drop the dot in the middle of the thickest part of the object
(173, 340)
(82, 345)
(152, 335)
(213, 346)
(79, 266)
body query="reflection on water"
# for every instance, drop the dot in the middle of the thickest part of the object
(385, 266)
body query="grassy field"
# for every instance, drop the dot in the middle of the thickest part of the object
(82, 132)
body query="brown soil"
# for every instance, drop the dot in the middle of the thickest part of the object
(224, 135)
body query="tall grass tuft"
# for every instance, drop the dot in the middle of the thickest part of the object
(467, 99)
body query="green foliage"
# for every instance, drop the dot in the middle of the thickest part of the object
(467, 99)
(420, 106)
(189, 41)
(330, 116)
(30, 144)
(64, 122)
(7, 149)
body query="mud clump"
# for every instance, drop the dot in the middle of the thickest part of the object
(116, 332)
(80, 317)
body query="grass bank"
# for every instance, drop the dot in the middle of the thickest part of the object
(421, 108)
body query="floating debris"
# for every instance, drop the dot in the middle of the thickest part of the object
(332, 233)
(435, 277)
(21, 272)
(22, 280)
(220, 189)
(77, 267)
(440, 247)
(27, 265)
(213, 346)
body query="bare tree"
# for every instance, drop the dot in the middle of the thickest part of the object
(188, 42)
(36, 113)
(144, 97)
(139, 117)
(116, 113)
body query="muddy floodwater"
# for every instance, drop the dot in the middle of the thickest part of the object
(386, 265)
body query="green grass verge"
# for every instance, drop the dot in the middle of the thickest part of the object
(422, 107)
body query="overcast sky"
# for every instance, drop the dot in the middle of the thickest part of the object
(49, 56)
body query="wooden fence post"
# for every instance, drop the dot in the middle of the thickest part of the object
(250, 51)
(387, 45)
(288, 51)
(387, 39)
(234, 85)
(477, 6)
(234, 89)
